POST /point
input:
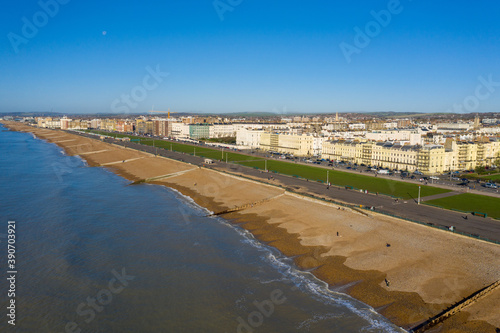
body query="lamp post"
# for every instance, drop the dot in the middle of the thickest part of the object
(265, 165)
(327, 176)
(418, 200)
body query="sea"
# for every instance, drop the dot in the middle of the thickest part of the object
(93, 253)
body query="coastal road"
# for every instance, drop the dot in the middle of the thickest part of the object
(486, 228)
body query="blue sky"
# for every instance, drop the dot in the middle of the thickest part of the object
(281, 56)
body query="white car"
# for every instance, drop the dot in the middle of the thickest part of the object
(434, 177)
(490, 185)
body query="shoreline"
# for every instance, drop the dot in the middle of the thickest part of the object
(403, 308)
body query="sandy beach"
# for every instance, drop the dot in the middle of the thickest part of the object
(405, 271)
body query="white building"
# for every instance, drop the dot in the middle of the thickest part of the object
(357, 126)
(413, 137)
(180, 130)
(248, 137)
(297, 145)
(222, 131)
(317, 145)
(453, 127)
(95, 123)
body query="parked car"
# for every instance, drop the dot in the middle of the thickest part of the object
(490, 185)
(434, 177)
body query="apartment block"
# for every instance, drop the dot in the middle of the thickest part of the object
(297, 145)
(249, 137)
(429, 159)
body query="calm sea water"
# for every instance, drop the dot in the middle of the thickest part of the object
(95, 254)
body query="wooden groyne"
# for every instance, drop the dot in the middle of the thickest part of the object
(246, 206)
(455, 308)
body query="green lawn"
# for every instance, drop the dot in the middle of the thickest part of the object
(185, 148)
(468, 202)
(359, 181)
(494, 178)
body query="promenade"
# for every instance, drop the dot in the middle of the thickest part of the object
(486, 228)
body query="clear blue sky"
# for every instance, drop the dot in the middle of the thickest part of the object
(282, 56)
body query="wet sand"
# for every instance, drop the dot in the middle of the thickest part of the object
(428, 269)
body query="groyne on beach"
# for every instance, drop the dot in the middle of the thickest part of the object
(407, 272)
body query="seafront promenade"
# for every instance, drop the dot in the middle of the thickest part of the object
(406, 271)
(476, 226)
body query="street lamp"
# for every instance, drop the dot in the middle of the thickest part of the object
(418, 201)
